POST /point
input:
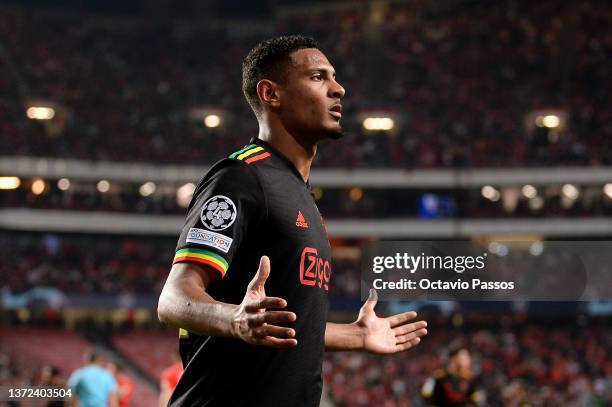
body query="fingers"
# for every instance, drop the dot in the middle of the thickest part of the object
(372, 299)
(401, 319)
(258, 281)
(273, 331)
(266, 302)
(271, 317)
(410, 344)
(275, 342)
(411, 337)
(407, 328)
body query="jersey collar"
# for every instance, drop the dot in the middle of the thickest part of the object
(286, 162)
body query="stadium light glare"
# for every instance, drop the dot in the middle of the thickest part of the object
(184, 194)
(529, 191)
(493, 247)
(490, 193)
(536, 203)
(551, 121)
(38, 186)
(40, 113)
(570, 191)
(608, 190)
(9, 182)
(356, 194)
(212, 120)
(566, 202)
(536, 248)
(378, 123)
(103, 186)
(147, 188)
(63, 184)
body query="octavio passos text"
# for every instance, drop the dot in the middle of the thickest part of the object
(412, 264)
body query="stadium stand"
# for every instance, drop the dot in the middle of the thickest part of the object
(131, 345)
(36, 347)
(468, 84)
(537, 362)
(130, 96)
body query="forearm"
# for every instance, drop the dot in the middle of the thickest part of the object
(343, 337)
(186, 304)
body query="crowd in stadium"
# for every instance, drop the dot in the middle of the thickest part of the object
(333, 203)
(526, 363)
(530, 364)
(461, 82)
(87, 264)
(82, 264)
(464, 85)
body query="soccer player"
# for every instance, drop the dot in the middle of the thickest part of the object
(125, 384)
(250, 277)
(453, 386)
(169, 378)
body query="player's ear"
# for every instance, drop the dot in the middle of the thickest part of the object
(268, 93)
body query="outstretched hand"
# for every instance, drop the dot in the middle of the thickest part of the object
(391, 334)
(253, 321)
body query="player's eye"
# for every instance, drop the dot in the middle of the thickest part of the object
(317, 77)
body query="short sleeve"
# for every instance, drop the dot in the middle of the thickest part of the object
(227, 204)
(73, 380)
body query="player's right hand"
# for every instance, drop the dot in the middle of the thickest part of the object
(254, 323)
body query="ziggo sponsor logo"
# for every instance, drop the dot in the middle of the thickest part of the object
(314, 269)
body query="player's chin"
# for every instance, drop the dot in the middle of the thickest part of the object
(334, 131)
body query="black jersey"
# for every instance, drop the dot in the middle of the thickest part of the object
(251, 204)
(444, 389)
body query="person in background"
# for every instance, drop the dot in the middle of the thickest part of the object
(93, 385)
(125, 384)
(51, 376)
(454, 385)
(169, 378)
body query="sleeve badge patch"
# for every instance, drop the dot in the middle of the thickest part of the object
(208, 238)
(218, 213)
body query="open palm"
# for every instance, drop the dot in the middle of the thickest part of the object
(389, 334)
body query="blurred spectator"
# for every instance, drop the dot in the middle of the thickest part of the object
(51, 376)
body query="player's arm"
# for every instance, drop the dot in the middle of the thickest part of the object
(373, 334)
(430, 386)
(185, 303)
(166, 392)
(113, 398)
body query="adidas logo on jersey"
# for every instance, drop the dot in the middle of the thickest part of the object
(301, 221)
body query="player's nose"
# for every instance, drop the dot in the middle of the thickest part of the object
(336, 90)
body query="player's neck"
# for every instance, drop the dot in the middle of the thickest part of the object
(299, 152)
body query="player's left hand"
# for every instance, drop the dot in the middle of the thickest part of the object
(391, 334)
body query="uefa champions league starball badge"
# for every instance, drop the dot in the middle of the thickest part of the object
(218, 213)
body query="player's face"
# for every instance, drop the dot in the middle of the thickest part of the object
(463, 359)
(310, 97)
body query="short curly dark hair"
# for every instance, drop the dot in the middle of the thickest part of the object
(269, 60)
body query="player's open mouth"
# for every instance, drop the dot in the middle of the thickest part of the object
(336, 110)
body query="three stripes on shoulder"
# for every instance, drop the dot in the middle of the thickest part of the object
(250, 154)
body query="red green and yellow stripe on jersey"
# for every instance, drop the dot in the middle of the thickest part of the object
(203, 257)
(250, 154)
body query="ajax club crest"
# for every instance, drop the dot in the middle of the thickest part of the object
(218, 213)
